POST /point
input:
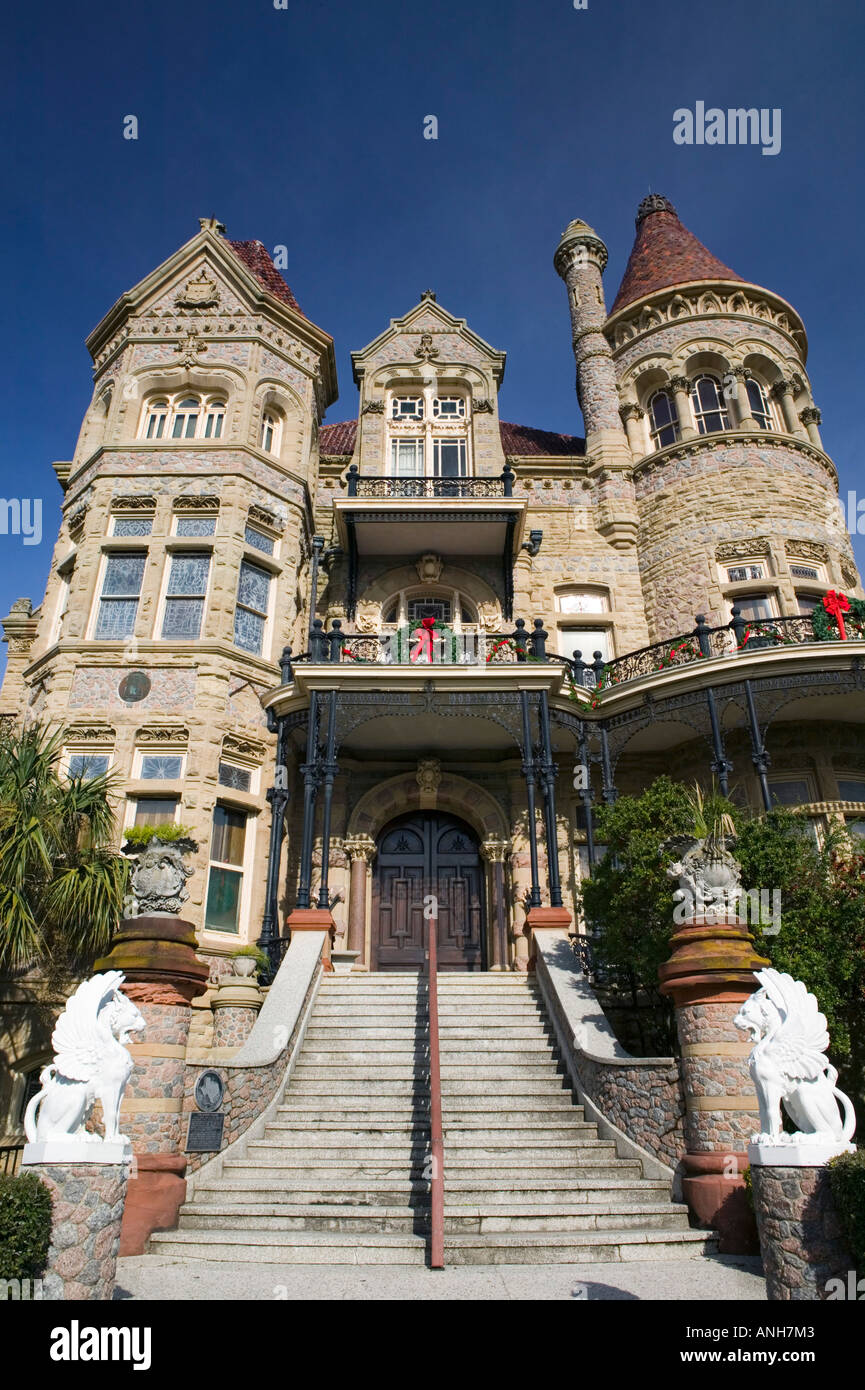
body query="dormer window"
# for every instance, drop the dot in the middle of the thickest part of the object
(271, 431)
(407, 408)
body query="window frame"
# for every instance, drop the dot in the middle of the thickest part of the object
(701, 412)
(244, 868)
(267, 614)
(674, 423)
(107, 556)
(208, 404)
(171, 554)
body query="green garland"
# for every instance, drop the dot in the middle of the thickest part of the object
(826, 627)
(406, 643)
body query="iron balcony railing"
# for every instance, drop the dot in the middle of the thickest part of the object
(428, 486)
(410, 646)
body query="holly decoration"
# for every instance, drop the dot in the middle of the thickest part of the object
(838, 613)
(426, 642)
(684, 652)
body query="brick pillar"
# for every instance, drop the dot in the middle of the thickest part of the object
(708, 975)
(157, 956)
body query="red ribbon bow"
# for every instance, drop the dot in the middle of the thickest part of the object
(423, 636)
(836, 605)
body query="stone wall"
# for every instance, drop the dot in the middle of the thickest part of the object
(800, 1235)
(643, 1097)
(85, 1231)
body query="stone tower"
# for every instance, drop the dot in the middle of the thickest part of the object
(736, 497)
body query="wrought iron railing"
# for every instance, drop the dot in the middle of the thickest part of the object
(437, 1175)
(10, 1157)
(405, 646)
(429, 486)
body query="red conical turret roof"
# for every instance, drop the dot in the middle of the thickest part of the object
(665, 253)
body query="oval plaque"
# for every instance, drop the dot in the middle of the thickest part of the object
(209, 1090)
(134, 687)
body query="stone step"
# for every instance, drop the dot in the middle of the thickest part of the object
(326, 1173)
(456, 1124)
(461, 1109)
(304, 1247)
(553, 1192)
(505, 1009)
(606, 1193)
(264, 1216)
(576, 1247)
(385, 1070)
(273, 1216)
(352, 1192)
(457, 1136)
(486, 1036)
(337, 1088)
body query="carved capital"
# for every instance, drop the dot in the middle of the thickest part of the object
(680, 383)
(495, 851)
(631, 411)
(810, 415)
(359, 847)
(781, 389)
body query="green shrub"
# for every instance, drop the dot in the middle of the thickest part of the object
(847, 1185)
(141, 835)
(25, 1225)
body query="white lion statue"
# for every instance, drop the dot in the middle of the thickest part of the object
(788, 1065)
(90, 1063)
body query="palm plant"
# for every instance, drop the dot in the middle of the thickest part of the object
(712, 823)
(62, 882)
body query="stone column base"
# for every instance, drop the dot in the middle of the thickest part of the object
(157, 1190)
(541, 919)
(717, 1199)
(85, 1228)
(800, 1236)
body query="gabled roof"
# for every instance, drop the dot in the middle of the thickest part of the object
(256, 258)
(418, 319)
(665, 253)
(518, 441)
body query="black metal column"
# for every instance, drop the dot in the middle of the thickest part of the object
(586, 792)
(278, 797)
(721, 765)
(317, 549)
(548, 783)
(759, 756)
(529, 774)
(609, 787)
(330, 770)
(310, 789)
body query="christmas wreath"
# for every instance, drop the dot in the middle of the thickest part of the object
(425, 642)
(824, 619)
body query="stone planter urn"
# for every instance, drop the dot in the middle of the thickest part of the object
(244, 966)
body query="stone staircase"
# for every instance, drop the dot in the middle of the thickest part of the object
(340, 1175)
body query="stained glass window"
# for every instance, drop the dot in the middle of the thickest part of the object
(121, 586)
(250, 614)
(161, 767)
(184, 601)
(259, 540)
(240, 778)
(195, 526)
(133, 525)
(88, 764)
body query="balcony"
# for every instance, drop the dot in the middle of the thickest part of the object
(452, 517)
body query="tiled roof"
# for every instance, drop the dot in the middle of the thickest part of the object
(338, 441)
(665, 253)
(256, 258)
(521, 440)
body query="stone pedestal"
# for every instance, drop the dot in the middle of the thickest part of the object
(235, 1009)
(157, 955)
(708, 975)
(315, 919)
(544, 919)
(85, 1228)
(800, 1236)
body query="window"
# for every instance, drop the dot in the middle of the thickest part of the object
(439, 608)
(794, 792)
(155, 419)
(856, 827)
(195, 526)
(805, 572)
(808, 603)
(89, 765)
(250, 615)
(664, 419)
(449, 458)
(271, 429)
(132, 526)
(225, 874)
(583, 601)
(407, 408)
(737, 574)
(155, 810)
(121, 588)
(851, 789)
(184, 599)
(186, 418)
(161, 767)
(710, 412)
(759, 402)
(586, 640)
(258, 540)
(214, 418)
(407, 458)
(238, 778)
(754, 607)
(449, 408)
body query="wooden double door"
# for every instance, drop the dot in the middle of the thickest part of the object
(423, 856)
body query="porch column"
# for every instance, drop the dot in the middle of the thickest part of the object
(329, 770)
(360, 849)
(494, 852)
(531, 823)
(310, 789)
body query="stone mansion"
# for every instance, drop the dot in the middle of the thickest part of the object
(343, 655)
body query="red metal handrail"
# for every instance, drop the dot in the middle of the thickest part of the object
(437, 1189)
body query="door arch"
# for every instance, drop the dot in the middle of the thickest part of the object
(420, 855)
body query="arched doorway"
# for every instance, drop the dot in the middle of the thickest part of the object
(424, 854)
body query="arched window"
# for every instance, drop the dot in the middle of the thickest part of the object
(214, 418)
(760, 407)
(710, 410)
(270, 431)
(186, 414)
(664, 418)
(155, 420)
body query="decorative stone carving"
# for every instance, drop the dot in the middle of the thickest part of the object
(429, 775)
(373, 408)
(811, 416)
(134, 502)
(77, 520)
(495, 851)
(359, 847)
(191, 503)
(789, 1068)
(260, 516)
(90, 1063)
(239, 747)
(199, 293)
(849, 575)
(807, 550)
(482, 405)
(488, 616)
(162, 733)
(190, 348)
(368, 616)
(426, 352)
(158, 880)
(709, 880)
(90, 733)
(742, 550)
(429, 568)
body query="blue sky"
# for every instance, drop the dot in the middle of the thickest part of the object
(304, 127)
